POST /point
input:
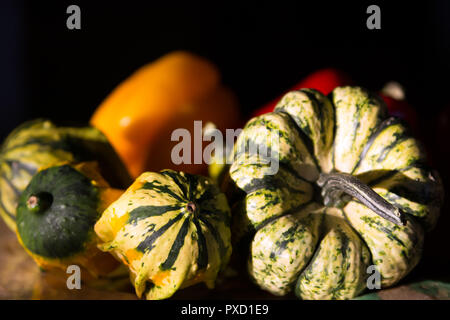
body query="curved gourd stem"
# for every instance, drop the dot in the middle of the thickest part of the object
(334, 184)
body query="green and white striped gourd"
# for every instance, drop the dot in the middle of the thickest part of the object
(351, 191)
(171, 229)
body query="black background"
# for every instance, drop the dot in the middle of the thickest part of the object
(261, 47)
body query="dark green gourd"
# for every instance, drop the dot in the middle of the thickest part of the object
(38, 144)
(56, 215)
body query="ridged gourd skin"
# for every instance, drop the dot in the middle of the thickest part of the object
(172, 230)
(323, 252)
(39, 144)
(56, 215)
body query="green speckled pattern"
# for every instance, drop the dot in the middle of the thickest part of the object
(340, 262)
(304, 106)
(282, 248)
(395, 249)
(358, 114)
(349, 132)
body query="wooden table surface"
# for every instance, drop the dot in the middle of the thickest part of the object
(20, 278)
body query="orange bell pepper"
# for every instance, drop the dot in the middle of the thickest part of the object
(140, 115)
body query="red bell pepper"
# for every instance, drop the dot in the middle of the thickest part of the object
(324, 80)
